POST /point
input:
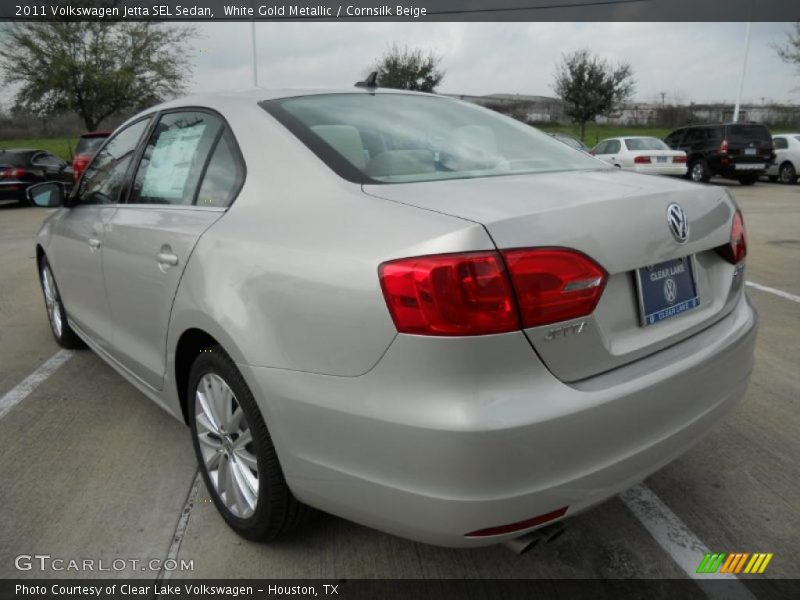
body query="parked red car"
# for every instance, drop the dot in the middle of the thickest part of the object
(88, 144)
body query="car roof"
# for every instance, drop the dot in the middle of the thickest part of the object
(262, 94)
(251, 97)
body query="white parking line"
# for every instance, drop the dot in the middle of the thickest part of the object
(21, 391)
(680, 543)
(775, 291)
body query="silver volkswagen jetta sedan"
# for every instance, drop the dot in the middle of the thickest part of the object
(402, 309)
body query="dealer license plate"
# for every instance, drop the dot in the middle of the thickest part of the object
(666, 290)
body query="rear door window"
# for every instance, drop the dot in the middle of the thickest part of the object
(780, 143)
(173, 160)
(674, 138)
(694, 136)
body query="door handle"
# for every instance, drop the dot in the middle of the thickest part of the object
(167, 259)
(94, 243)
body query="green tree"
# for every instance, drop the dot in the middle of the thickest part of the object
(790, 51)
(409, 69)
(589, 86)
(95, 69)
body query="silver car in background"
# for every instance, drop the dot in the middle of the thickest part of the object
(405, 310)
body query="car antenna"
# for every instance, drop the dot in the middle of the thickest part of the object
(371, 82)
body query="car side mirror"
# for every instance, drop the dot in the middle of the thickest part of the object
(49, 194)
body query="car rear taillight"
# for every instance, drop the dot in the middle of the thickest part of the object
(723, 147)
(554, 284)
(14, 173)
(679, 160)
(79, 164)
(478, 293)
(642, 160)
(735, 250)
(449, 294)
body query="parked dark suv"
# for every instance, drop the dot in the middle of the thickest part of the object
(740, 151)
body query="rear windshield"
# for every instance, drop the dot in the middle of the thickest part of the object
(748, 133)
(15, 159)
(393, 138)
(645, 144)
(89, 145)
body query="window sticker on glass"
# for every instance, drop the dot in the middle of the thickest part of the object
(171, 161)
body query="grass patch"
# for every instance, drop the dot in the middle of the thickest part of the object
(595, 133)
(60, 146)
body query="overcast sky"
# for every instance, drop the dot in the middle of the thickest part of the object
(697, 62)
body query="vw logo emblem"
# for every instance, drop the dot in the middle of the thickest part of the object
(678, 223)
(670, 290)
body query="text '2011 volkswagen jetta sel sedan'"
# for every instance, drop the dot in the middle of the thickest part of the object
(398, 308)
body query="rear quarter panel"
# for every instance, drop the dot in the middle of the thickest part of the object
(288, 277)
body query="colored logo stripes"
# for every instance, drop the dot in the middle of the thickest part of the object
(735, 562)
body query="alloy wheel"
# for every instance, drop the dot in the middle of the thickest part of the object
(226, 445)
(788, 174)
(698, 172)
(52, 301)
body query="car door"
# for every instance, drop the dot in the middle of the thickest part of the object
(781, 145)
(599, 150)
(172, 201)
(75, 250)
(610, 152)
(674, 139)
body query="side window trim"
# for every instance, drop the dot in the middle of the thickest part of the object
(123, 195)
(209, 156)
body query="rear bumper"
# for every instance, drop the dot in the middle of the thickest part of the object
(13, 189)
(666, 169)
(735, 169)
(447, 436)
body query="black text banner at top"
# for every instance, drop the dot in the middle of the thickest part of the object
(403, 10)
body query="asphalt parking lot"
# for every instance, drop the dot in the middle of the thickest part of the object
(93, 469)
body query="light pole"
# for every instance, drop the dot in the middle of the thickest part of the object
(255, 56)
(741, 77)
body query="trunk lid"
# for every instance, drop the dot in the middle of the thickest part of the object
(617, 218)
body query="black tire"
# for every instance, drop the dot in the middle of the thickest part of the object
(787, 173)
(276, 511)
(748, 179)
(699, 171)
(56, 313)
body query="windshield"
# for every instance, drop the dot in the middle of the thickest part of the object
(392, 138)
(645, 144)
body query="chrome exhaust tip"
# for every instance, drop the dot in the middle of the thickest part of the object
(530, 540)
(523, 543)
